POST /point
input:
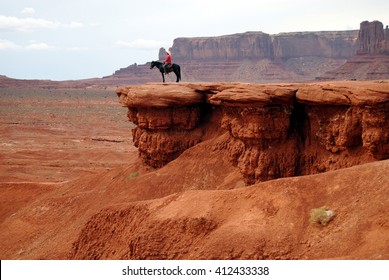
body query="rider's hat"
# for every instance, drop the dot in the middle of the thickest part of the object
(168, 52)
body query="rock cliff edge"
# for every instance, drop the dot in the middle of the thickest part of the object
(267, 131)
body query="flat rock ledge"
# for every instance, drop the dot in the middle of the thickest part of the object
(273, 130)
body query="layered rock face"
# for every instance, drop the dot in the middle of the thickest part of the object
(250, 57)
(260, 57)
(249, 45)
(325, 44)
(167, 119)
(349, 123)
(373, 39)
(286, 57)
(258, 121)
(266, 131)
(259, 45)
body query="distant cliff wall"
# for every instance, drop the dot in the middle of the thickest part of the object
(249, 45)
(328, 44)
(260, 57)
(286, 57)
(259, 45)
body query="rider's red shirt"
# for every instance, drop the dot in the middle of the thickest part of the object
(168, 59)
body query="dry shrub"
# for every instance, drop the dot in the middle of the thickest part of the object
(321, 216)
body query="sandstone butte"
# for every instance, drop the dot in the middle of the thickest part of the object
(267, 131)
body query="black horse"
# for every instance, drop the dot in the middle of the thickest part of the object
(175, 68)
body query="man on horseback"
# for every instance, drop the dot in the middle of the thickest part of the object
(167, 64)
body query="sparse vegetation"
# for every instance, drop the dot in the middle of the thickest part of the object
(321, 216)
(133, 175)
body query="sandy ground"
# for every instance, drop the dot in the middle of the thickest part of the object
(59, 135)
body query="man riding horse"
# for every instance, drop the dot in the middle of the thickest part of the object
(167, 64)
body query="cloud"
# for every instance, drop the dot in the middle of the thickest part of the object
(38, 47)
(34, 46)
(8, 45)
(77, 49)
(74, 24)
(25, 24)
(140, 44)
(28, 10)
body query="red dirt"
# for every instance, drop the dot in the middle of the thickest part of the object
(72, 187)
(58, 135)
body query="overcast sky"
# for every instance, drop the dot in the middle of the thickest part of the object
(75, 39)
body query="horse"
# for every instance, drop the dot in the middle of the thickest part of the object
(175, 68)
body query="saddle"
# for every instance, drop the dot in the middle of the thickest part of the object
(168, 68)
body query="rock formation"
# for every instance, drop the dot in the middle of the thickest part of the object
(166, 122)
(325, 44)
(263, 58)
(373, 39)
(286, 57)
(371, 61)
(259, 45)
(250, 57)
(267, 131)
(249, 45)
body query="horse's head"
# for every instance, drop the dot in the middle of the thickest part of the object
(152, 64)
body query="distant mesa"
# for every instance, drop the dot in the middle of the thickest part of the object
(285, 57)
(253, 57)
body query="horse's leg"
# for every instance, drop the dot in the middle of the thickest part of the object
(163, 77)
(177, 71)
(177, 80)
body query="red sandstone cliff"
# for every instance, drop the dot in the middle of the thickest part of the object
(267, 131)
